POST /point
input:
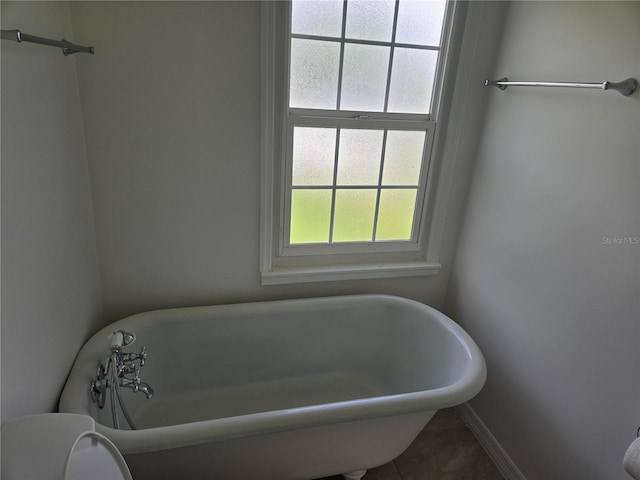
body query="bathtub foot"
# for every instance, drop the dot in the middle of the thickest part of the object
(356, 475)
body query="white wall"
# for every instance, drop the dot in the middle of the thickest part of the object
(171, 105)
(553, 306)
(50, 279)
(169, 108)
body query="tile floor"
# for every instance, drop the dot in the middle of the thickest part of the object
(445, 450)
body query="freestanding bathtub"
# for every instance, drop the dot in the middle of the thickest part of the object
(284, 390)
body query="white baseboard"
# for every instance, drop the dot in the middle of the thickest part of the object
(505, 465)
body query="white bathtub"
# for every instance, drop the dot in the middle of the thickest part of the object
(286, 390)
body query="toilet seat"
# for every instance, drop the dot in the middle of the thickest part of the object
(94, 456)
(56, 446)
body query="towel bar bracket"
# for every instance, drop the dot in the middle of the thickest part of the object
(67, 47)
(497, 83)
(626, 87)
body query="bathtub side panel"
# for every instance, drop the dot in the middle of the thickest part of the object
(292, 455)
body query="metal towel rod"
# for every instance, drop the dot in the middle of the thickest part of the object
(67, 47)
(626, 87)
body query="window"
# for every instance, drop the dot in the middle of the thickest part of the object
(352, 90)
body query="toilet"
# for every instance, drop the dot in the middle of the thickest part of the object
(59, 446)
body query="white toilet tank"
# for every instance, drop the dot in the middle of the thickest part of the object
(59, 446)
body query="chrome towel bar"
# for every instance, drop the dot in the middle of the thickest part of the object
(67, 47)
(626, 87)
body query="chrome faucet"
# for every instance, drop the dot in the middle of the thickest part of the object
(120, 371)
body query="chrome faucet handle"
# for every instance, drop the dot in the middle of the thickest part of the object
(99, 386)
(142, 356)
(132, 383)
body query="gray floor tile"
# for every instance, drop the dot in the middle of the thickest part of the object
(445, 450)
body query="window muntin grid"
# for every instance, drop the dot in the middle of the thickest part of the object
(353, 176)
(342, 60)
(345, 47)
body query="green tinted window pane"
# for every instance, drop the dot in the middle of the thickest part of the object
(310, 216)
(353, 217)
(403, 158)
(395, 214)
(364, 77)
(317, 17)
(313, 156)
(359, 157)
(412, 76)
(314, 74)
(370, 20)
(420, 22)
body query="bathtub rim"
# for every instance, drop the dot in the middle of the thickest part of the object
(159, 438)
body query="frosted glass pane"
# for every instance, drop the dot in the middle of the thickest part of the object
(364, 77)
(310, 216)
(395, 214)
(313, 17)
(359, 157)
(412, 77)
(314, 74)
(314, 153)
(370, 20)
(420, 22)
(403, 158)
(353, 216)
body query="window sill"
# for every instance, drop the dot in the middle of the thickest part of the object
(279, 276)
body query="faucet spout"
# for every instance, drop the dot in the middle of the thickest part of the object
(146, 389)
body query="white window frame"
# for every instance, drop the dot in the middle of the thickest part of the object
(282, 263)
